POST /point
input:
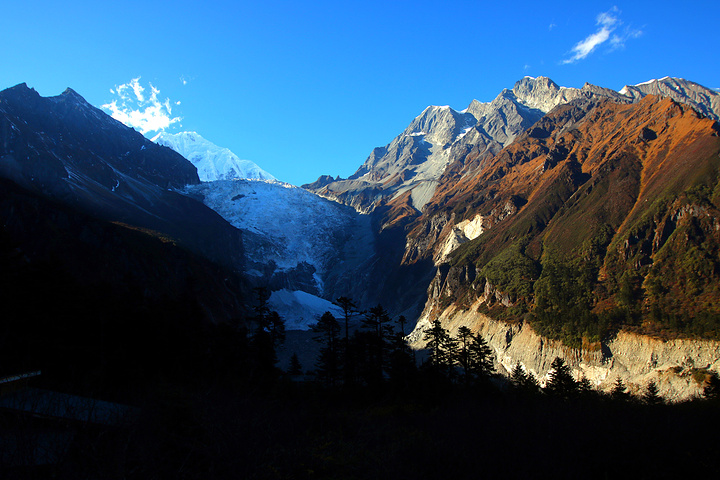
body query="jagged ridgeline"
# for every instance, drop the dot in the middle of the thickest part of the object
(602, 215)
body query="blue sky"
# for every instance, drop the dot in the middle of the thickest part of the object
(305, 88)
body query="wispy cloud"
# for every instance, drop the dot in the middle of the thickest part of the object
(134, 109)
(607, 23)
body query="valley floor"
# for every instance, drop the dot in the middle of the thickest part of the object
(299, 431)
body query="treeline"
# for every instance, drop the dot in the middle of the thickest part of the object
(377, 353)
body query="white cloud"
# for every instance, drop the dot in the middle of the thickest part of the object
(607, 23)
(608, 19)
(133, 109)
(618, 41)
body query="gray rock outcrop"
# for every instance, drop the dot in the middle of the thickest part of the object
(700, 98)
(678, 366)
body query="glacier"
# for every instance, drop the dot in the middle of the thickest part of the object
(297, 244)
(294, 239)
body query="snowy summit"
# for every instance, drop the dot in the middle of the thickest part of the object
(212, 162)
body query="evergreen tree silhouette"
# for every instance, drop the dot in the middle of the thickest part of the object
(401, 368)
(584, 387)
(377, 324)
(295, 366)
(560, 381)
(349, 356)
(442, 348)
(481, 357)
(711, 390)
(522, 381)
(327, 366)
(619, 391)
(652, 395)
(474, 356)
(269, 333)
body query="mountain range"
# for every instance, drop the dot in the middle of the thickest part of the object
(440, 137)
(574, 214)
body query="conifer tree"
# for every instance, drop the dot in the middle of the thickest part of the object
(295, 366)
(402, 321)
(269, 333)
(517, 375)
(652, 395)
(401, 367)
(349, 357)
(619, 391)
(349, 310)
(441, 346)
(463, 352)
(473, 355)
(560, 381)
(328, 363)
(584, 387)
(522, 381)
(711, 390)
(377, 323)
(481, 357)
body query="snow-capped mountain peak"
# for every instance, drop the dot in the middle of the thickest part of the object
(702, 99)
(212, 162)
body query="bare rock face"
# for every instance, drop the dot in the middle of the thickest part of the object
(543, 94)
(678, 367)
(412, 162)
(702, 99)
(439, 137)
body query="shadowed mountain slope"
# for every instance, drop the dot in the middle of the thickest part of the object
(66, 149)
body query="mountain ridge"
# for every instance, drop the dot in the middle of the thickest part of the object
(416, 159)
(64, 148)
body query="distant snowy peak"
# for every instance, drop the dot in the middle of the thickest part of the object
(212, 162)
(543, 94)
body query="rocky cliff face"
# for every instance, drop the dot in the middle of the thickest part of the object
(412, 162)
(700, 98)
(679, 367)
(439, 137)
